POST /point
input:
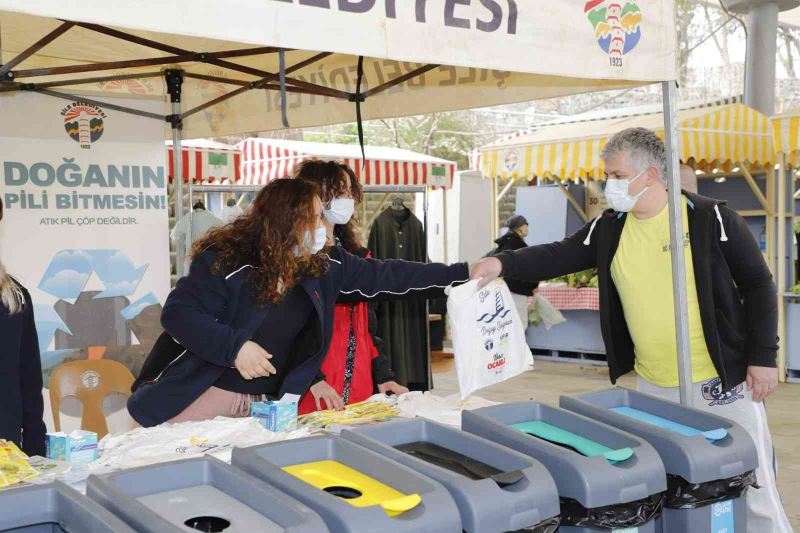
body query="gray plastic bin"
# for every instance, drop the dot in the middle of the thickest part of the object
(519, 493)
(202, 494)
(54, 508)
(596, 494)
(437, 511)
(707, 473)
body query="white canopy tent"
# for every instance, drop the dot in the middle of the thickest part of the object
(310, 62)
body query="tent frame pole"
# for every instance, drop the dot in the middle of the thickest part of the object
(676, 233)
(781, 266)
(174, 80)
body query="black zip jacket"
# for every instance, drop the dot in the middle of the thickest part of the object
(509, 242)
(21, 379)
(735, 290)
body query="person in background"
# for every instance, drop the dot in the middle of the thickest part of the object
(688, 179)
(732, 300)
(21, 414)
(201, 222)
(514, 239)
(255, 314)
(231, 211)
(354, 366)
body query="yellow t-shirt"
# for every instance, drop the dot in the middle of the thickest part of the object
(642, 273)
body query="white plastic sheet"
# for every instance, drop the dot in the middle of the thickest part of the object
(170, 442)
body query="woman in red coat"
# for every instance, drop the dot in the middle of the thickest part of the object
(354, 368)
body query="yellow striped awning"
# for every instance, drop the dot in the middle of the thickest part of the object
(786, 135)
(719, 137)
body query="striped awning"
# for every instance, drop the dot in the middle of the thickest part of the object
(206, 161)
(264, 160)
(718, 137)
(786, 135)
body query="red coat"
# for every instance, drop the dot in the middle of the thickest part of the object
(335, 362)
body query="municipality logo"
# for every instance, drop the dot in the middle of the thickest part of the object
(84, 123)
(616, 25)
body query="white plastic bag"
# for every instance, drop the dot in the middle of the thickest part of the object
(488, 337)
(547, 312)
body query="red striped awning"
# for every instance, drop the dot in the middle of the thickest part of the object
(206, 162)
(264, 160)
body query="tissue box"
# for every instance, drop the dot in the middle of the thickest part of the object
(77, 448)
(275, 416)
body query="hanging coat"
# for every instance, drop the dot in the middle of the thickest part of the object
(403, 325)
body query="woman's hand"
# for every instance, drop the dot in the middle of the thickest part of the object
(322, 391)
(393, 387)
(252, 361)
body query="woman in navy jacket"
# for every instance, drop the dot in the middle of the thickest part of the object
(255, 313)
(20, 368)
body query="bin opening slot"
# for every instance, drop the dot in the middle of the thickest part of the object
(568, 439)
(459, 463)
(354, 487)
(208, 524)
(56, 528)
(655, 420)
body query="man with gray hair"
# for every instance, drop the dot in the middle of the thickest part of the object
(732, 300)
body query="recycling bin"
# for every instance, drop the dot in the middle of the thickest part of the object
(606, 479)
(352, 488)
(201, 494)
(709, 461)
(496, 489)
(54, 508)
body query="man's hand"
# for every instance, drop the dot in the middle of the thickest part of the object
(487, 270)
(393, 387)
(252, 361)
(321, 391)
(762, 380)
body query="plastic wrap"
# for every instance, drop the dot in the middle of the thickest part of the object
(617, 516)
(684, 495)
(548, 526)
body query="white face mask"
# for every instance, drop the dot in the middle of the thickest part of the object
(314, 241)
(617, 195)
(340, 211)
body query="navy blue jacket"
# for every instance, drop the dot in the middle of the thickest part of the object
(213, 315)
(21, 379)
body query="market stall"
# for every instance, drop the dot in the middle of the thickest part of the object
(786, 131)
(205, 161)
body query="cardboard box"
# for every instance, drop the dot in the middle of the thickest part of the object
(276, 416)
(77, 448)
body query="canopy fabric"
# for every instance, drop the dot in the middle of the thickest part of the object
(479, 53)
(786, 135)
(205, 161)
(264, 160)
(713, 137)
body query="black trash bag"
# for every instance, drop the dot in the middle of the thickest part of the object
(616, 516)
(548, 526)
(684, 495)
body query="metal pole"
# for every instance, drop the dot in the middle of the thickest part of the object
(762, 37)
(174, 79)
(676, 235)
(781, 267)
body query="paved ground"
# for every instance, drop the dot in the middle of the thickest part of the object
(550, 380)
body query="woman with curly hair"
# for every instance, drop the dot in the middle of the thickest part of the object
(354, 366)
(255, 314)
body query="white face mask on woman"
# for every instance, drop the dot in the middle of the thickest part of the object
(341, 211)
(617, 195)
(314, 241)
